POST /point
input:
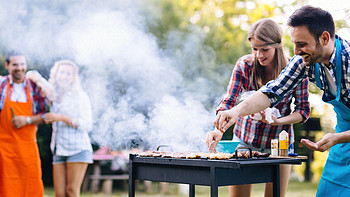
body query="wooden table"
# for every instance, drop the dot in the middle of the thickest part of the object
(94, 175)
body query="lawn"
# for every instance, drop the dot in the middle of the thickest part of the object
(295, 189)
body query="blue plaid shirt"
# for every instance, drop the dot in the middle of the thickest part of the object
(296, 72)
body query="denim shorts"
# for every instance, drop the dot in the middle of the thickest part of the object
(84, 156)
(242, 144)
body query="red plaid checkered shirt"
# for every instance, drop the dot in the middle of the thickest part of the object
(255, 132)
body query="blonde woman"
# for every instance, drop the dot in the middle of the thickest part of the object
(71, 119)
(250, 73)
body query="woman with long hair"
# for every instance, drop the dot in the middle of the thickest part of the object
(251, 73)
(71, 119)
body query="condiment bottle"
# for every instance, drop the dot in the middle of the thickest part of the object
(283, 143)
(274, 147)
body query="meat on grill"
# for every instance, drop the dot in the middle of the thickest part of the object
(196, 155)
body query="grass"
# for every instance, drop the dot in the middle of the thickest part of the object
(295, 189)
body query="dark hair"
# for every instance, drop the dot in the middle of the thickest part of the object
(12, 53)
(315, 19)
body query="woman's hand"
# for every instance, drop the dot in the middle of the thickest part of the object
(52, 117)
(225, 119)
(213, 138)
(275, 120)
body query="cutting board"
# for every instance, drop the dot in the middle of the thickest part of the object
(297, 157)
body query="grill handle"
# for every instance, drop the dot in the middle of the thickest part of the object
(165, 146)
(250, 151)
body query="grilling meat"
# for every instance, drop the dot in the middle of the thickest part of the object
(195, 155)
(259, 154)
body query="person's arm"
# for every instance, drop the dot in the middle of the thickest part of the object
(302, 106)
(46, 88)
(253, 104)
(21, 121)
(268, 95)
(327, 141)
(238, 82)
(292, 118)
(54, 117)
(212, 140)
(83, 120)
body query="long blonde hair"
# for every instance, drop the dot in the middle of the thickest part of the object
(53, 73)
(269, 32)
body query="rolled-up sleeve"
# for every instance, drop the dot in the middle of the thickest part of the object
(301, 95)
(84, 119)
(286, 82)
(238, 82)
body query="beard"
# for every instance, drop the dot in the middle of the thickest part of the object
(316, 56)
(18, 76)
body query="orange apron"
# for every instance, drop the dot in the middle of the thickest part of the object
(20, 167)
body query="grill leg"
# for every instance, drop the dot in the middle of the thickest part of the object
(131, 180)
(192, 190)
(213, 184)
(276, 181)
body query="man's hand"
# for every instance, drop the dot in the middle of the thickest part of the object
(19, 121)
(324, 144)
(225, 119)
(213, 138)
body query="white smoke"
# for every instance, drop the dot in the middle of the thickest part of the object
(140, 94)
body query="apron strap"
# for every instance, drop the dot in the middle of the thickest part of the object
(339, 68)
(317, 75)
(338, 64)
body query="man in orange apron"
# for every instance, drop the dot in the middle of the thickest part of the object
(21, 106)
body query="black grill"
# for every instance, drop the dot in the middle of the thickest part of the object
(213, 173)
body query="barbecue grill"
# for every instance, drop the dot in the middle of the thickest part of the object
(213, 173)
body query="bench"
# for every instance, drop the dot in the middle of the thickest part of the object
(107, 184)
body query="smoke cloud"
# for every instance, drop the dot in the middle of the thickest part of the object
(141, 95)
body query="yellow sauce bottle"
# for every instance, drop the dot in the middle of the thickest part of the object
(283, 143)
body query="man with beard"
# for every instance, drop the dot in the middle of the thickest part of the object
(21, 109)
(324, 58)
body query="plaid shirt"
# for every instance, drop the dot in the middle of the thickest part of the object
(254, 132)
(67, 140)
(296, 72)
(39, 102)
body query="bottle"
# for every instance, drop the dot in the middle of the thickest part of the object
(283, 142)
(291, 149)
(274, 147)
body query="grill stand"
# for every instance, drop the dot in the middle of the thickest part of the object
(211, 173)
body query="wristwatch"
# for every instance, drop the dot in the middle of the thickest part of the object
(29, 120)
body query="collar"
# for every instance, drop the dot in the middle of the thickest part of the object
(333, 56)
(23, 83)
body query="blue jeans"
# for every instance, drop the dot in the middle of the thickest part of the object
(84, 157)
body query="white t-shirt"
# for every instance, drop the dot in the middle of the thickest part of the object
(18, 94)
